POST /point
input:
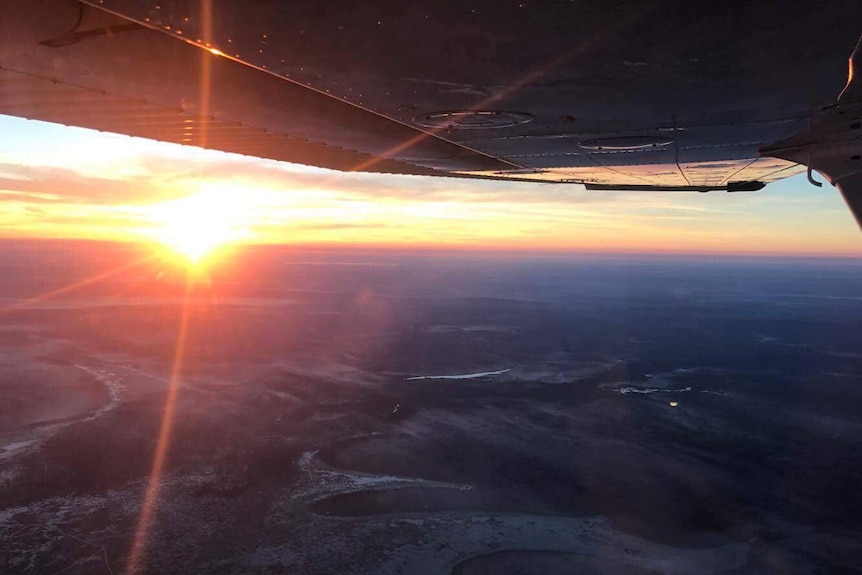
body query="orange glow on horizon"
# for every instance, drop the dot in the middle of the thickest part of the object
(196, 202)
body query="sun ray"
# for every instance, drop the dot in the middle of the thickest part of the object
(76, 285)
(154, 483)
(203, 239)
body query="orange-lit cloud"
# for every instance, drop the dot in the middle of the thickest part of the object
(79, 184)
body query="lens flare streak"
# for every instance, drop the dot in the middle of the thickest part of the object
(154, 483)
(24, 304)
(135, 562)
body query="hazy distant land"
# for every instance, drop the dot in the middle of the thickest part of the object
(415, 413)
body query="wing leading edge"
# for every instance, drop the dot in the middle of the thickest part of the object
(67, 62)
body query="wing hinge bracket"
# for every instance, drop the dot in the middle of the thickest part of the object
(92, 23)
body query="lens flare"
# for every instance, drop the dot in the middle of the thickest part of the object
(196, 225)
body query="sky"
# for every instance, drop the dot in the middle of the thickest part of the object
(62, 182)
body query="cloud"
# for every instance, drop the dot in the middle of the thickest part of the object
(345, 226)
(100, 185)
(49, 185)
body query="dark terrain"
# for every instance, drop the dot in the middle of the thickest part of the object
(637, 415)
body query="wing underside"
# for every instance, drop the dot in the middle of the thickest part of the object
(68, 63)
(113, 66)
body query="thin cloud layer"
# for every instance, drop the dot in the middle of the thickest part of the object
(66, 182)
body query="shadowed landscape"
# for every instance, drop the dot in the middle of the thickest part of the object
(353, 412)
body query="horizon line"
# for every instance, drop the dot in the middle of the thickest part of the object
(429, 248)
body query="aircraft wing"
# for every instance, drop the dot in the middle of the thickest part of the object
(668, 95)
(66, 62)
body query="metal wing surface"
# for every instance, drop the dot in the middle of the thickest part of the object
(661, 95)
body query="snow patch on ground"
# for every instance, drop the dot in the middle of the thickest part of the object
(115, 387)
(112, 382)
(459, 376)
(662, 382)
(645, 390)
(327, 481)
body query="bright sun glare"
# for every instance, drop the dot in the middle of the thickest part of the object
(196, 225)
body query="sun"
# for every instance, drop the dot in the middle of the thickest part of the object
(196, 225)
